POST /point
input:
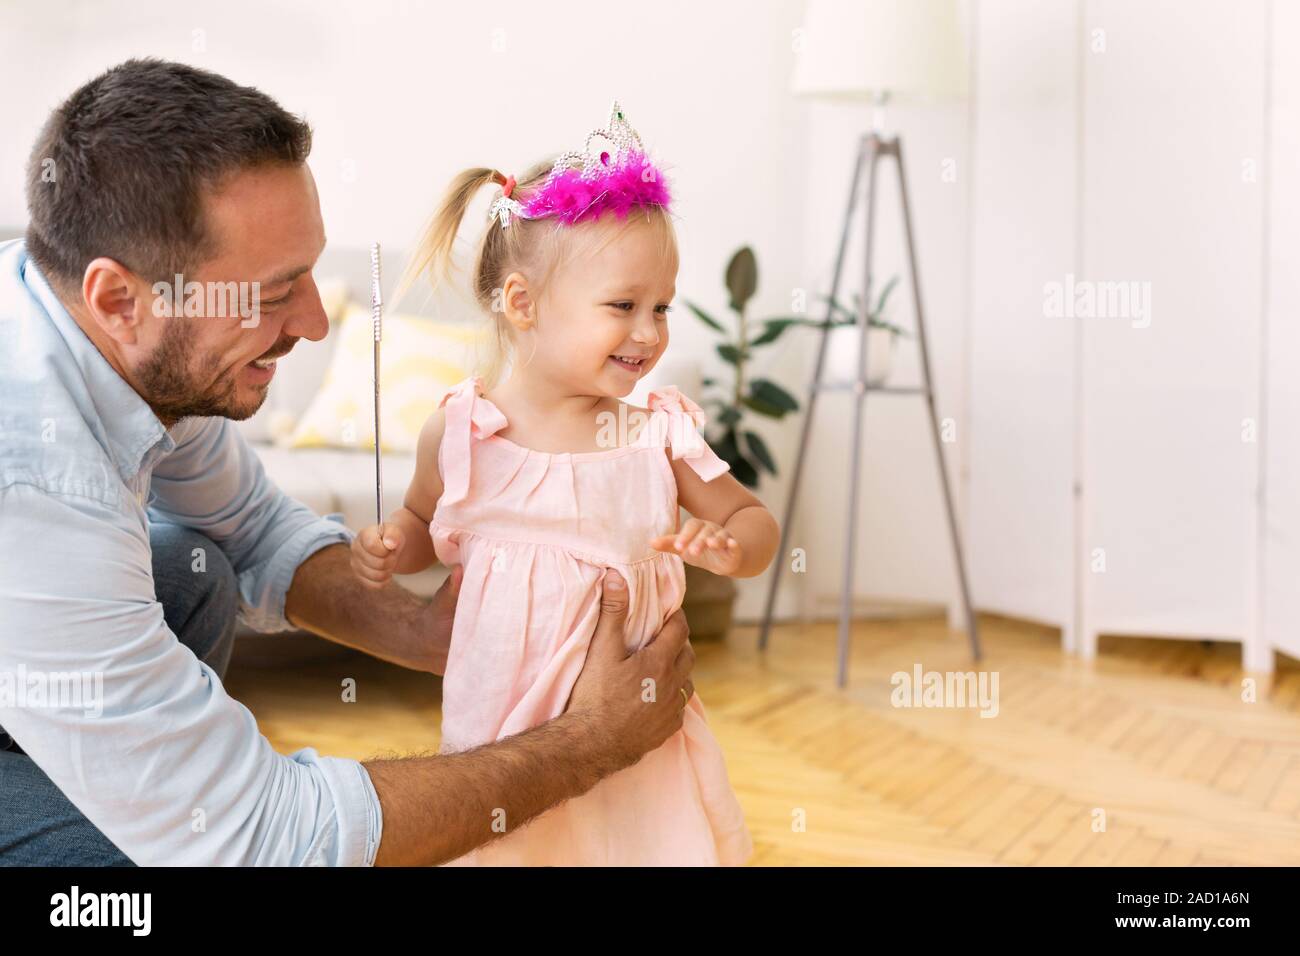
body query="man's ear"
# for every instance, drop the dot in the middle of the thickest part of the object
(113, 296)
(517, 302)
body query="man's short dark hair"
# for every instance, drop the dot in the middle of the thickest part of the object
(120, 167)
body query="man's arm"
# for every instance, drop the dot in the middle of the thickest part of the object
(289, 573)
(391, 623)
(440, 807)
(437, 808)
(151, 749)
(214, 483)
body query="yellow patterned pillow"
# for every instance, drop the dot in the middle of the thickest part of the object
(420, 359)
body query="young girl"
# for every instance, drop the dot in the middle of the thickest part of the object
(541, 486)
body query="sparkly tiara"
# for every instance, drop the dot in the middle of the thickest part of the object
(611, 173)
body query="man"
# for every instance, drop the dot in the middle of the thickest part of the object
(135, 523)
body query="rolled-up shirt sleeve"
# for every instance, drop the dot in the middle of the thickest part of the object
(156, 754)
(214, 483)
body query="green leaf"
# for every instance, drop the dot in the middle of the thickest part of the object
(897, 330)
(708, 381)
(838, 308)
(792, 319)
(725, 447)
(774, 329)
(852, 313)
(744, 472)
(728, 416)
(742, 277)
(762, 408)
(758, 449)
(730, 353)
(884, 294)
(769, 393)
(704, 317)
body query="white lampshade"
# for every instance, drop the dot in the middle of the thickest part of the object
(856, 49)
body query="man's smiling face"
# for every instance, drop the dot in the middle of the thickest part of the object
(265, 227)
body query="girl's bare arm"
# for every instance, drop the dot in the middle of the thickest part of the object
(727, 503)
(421, 499)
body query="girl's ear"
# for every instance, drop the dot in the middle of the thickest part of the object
(517, 303)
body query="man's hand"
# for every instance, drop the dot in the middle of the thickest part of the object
(607, 726)
(436, 621)
(612, 687)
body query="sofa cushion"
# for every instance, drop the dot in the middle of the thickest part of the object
(298, 375)
(421, 359)
(300, 477)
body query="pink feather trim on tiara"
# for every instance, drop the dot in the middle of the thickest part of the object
(572, 196)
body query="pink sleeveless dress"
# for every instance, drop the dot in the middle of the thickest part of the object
(535, 532)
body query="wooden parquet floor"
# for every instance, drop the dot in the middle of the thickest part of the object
(1153, 737)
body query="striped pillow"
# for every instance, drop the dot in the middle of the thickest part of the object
(421, 359)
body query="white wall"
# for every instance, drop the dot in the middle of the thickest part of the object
(403, 95)
(1122, 164)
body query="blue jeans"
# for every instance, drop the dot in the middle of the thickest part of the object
(39, 826)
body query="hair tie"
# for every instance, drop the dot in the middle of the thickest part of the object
(503, 207)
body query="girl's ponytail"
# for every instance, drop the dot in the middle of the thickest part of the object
(433, 254)
(527, 245)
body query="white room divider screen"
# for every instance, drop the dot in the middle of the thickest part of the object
(1135, 244)
(1281, 525)
(1022, 379)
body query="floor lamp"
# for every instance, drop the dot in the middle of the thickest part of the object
(856, 49)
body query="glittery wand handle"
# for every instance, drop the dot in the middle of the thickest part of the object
(377, 315)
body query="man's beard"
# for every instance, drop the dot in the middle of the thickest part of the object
(171, 390)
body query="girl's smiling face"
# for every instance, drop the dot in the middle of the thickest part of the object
(602, 319)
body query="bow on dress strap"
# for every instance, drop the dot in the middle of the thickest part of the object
(684, 419)
(468, 419)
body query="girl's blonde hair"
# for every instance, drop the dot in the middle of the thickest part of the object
(535, 247)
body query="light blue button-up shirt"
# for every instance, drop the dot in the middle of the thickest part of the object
(163, 761)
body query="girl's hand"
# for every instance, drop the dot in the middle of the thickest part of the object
(703, 544)
(375, 551)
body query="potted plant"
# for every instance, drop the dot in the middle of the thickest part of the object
(710, 599)
(842, 339)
